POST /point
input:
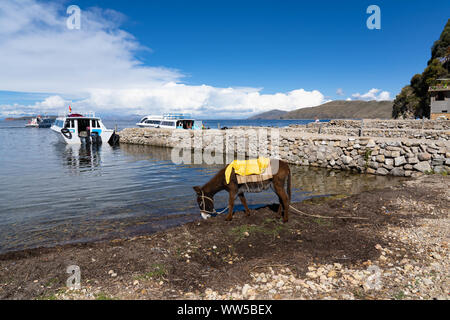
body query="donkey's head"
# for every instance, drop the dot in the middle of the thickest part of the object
(205, 203)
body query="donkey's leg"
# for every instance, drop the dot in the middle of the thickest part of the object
(244, 202)
(281, 193)
(286, 204)
(280, 207)
(232, 195)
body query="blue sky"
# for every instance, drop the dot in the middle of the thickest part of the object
(272, 47)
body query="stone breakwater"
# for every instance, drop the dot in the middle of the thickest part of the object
(390, 124)
(410, 129)
(403, 157)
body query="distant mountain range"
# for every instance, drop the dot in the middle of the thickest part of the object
(112, 116)
(269, 115)
(27, 118)
(338, 109)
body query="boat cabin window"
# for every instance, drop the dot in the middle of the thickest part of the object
(95, 124)
(153, 122)
(70, 123)
(168, 123)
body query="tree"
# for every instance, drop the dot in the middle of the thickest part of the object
(414, 99)
(441, 46)
(406, 104)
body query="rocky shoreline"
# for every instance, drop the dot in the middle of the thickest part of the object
(395, 248)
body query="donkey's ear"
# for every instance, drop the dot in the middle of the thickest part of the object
(198, 190)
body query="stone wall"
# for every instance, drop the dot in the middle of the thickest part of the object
(410, 129)
(369, 155)
(392, 124)
(387, 133)
(374, 155)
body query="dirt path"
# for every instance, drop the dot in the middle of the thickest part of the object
(400, 251)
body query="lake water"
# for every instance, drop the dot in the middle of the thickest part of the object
(51, 193)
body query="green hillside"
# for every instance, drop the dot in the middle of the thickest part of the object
(414, 99)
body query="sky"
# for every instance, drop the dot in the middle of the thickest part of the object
(213, 59)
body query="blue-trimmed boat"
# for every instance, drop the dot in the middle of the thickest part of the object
(77, 128)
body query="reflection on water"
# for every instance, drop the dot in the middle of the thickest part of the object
(319, 181)
(53, 193)
(140, 152)
(80, 157)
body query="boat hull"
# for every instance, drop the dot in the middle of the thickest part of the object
(62, 138)
(74, 139)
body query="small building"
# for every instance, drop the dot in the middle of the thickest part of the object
(440, 100)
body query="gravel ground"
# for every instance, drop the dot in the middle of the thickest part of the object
(399, 252)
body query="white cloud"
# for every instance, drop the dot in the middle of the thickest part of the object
(373, 94)
(39, 54)
(50, 105)
(52, 102)
(97, 66)
(385, 95)
(340, 92)
(197, 100)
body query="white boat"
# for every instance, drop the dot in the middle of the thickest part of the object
(78, 128)
(39, 122)
(33, 123)
(150, 122)
(170, 121)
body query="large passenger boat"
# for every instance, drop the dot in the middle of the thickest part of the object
(79, 128)
(170, 121)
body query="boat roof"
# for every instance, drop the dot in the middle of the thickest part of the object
(153, 117)
(84, 115)
(80, 118)
(169, 116)
(162, 119)
(177, 119)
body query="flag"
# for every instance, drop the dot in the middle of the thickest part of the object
(70, 109)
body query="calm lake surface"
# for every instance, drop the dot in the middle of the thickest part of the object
(51, 193)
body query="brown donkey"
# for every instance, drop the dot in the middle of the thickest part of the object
(218, 183)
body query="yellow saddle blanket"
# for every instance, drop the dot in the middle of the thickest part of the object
(247, 167)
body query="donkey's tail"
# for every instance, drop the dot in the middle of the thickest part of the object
(289, 185)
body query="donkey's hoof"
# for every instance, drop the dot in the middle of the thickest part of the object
(228, 218)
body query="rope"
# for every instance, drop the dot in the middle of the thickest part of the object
(324, 217)
(203, 204)
(205, 212)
